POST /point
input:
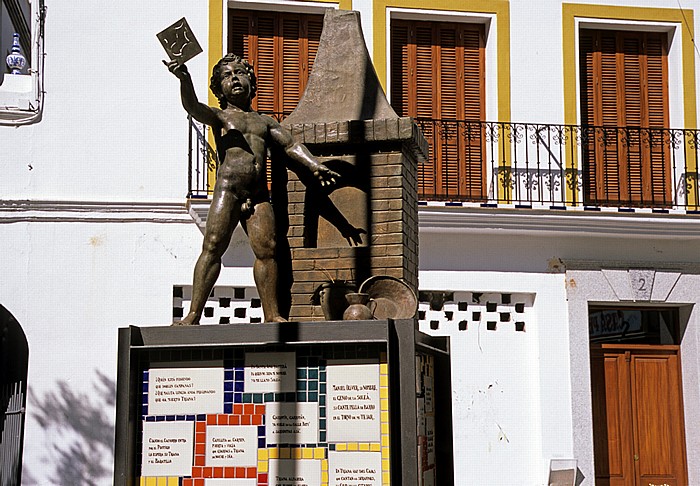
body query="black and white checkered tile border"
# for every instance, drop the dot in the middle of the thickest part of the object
(443, 310)
(225, 305)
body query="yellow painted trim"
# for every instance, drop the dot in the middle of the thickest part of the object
(572, 11)
(499, 8)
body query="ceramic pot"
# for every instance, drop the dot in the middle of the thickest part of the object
(360, 308)
(332, 299)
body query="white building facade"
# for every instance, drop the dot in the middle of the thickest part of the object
(559, 219)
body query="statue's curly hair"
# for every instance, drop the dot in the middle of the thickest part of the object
(215, 82)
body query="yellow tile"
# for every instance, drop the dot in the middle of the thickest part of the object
(386, 466)
(385, 441)
(385, 453)
(324, 465)
(364, 447)
(383, 369)
(383, 392)
(162, 481)
(174, 481)
(262, 454)
(353, 446)
(375, 447)
(385, 428)
(274, 453)
(386, 479)
(384, 403)
(151, 481)
(285, 454)
(341, 447)
(296, 453)
(307, 453)
(319, 453)
(142, 481)
(262, 466)
(383, 380)
(384, 416)
(324, 478)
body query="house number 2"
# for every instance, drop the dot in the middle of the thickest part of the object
(641, 282)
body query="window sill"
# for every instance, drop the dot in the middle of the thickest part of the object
(17, 98)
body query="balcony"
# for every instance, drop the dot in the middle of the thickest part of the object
(537, 166)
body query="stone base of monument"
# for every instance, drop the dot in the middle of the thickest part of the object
(294, 404)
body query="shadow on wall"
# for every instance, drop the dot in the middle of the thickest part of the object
(80, 429)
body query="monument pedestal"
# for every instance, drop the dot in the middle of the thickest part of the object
(315, 404)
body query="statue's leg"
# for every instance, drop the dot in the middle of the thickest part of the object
(261, 231)
(222, 219)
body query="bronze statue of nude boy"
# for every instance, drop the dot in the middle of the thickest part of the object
(243, 137)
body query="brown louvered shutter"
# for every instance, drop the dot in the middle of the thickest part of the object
(437, 73)
(282, 48)
(624, 95)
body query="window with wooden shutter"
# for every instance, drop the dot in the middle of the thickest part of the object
(437, 73)
(282, 48)
(624, 107)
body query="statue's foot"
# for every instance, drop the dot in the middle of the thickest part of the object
(192, 319)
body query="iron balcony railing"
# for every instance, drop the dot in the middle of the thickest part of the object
(535, 165)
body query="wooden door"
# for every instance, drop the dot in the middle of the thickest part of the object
(638, 431)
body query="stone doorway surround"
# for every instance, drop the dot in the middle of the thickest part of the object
(635, 284)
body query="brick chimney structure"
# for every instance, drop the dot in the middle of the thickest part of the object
(368, 224)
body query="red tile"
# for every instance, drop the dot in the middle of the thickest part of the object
(245, 419)
(251, 472)
(222, 419)
(208, 472)
(200, 438)
(218, 472)
(199, 460)
(238, 408)
(249, 408)
(187, 482)
(197, 472)
(200, 427)
(200, 448)
(234, 420)
(262, 478)
(257, 419)
(229, 472)
(240, 472)
(211, 419)
(260, 409)
(199, 482)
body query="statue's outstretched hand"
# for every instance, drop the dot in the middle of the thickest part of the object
(179, 70)
(326, 177)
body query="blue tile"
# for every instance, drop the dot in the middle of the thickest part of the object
(301, 396)
(261, 443)
(228, 397)
(201, 417)
(289, 397)
(313, 385)
(239, 387)
(322, 400)
(144, 387)
(301, 373)
(228, 408)
(322, 436)
(313, 396)
(331, 447)
(160, 418)
(239, 375)
(269, 397)
(261, 431)
(322, 412)
(257, 398)
(228, 375)
(237, 398)
(322, 424)
(228, 386)
(313, 373)
(247, 398)
(180, 417)
(323, 388)
(301, 386)
(150, 419)
(190, 418)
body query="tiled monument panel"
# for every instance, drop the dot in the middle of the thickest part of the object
(316, 416)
